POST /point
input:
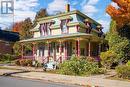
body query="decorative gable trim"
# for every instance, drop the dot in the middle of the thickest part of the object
(65, 17)
(81, 24)
(55, 27)
(46, 21)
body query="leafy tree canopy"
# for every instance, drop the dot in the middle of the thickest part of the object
(119, 47)
(121, 14)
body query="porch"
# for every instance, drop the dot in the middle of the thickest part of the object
(60, 49)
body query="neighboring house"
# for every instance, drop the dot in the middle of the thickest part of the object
(57, 38)
(7, 40)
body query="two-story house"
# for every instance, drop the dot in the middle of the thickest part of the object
(57, 38)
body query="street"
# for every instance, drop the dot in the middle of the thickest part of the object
(21, 82)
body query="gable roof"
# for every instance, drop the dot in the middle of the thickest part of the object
(68, 13)
(9, 36)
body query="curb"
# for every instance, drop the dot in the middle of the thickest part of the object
(10, 73)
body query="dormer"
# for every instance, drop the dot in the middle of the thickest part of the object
(66, 23)
(45, 27)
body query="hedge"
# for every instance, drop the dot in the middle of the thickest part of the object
(123, 71)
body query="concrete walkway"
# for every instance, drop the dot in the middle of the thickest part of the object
(98, 80)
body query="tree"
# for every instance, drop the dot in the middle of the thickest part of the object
(27, 47)
(17, 27)
(119, 47)
(23, 28)
(40, 14)
(121, 16)
(26, 27)
(17, 48)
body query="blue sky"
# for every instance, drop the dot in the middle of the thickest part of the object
(28, 8)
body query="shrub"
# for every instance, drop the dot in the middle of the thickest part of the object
(29, 62)
(90, 59)
(17, 62)
(128, 63)
(123, 71)
(108, 58)
(79, 66)
(24, 62)
(7, 58)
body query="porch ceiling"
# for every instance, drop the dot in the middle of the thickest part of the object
(82, 36)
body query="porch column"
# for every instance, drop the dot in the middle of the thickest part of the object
(33, 50)
(54, 51)
(89, 48)
(65, 47)
(22, 50)
(99, 48)
(60, 51)
(86, 48)
(48, 51)
(78, 47)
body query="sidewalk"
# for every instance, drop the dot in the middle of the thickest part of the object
(24, 68)
(98, 80)
(93, 81)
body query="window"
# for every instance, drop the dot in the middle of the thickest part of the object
(64, 26)
(88, 30)
(45, 29)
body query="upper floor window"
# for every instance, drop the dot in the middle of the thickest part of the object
(88, 30)
(45, 29)
(64, 27)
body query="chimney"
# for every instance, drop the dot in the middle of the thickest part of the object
(67, 7)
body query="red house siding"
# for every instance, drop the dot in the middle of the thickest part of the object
(6, 48)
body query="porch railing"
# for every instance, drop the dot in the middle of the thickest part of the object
(45, 59)
(28, 57)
